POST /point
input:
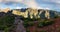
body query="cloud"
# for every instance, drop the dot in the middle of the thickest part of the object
(18, 7)
(33, 3)
(28, 3)
(54, 1)
(57, 2)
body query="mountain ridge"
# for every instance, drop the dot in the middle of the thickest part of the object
(33, 13)
(24, 12)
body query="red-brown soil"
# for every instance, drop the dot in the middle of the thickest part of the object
(50, 28)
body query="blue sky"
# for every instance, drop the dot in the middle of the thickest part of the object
(44, 4)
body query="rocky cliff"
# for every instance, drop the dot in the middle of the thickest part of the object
(36, 13)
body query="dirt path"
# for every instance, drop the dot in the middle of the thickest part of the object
(19, 25)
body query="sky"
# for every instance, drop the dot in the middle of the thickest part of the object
(40, 4)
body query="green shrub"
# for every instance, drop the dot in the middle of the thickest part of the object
(25, 24)
(43, 31)
(27, 30)
(48, 23)
(6, 22)
(56, 16)
(40, 24)
(28, 22)
(31, 23)
(45, 23)
(6, 30)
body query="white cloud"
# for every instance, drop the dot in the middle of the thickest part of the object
(47, 8)
(54, 1)
(28, 3)
(18, 7)
(31, 3)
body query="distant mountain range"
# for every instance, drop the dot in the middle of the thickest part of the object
(34, 13)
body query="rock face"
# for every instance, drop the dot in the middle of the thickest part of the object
(5, 10)
(37, 13)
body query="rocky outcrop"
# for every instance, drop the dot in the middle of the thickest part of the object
(38, 13)
(5, 10)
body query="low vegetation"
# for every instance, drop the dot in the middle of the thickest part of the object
(45, 23)
(41, 23)
(42, 31)
(28, 22)
(27, 30)
(6, 22)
